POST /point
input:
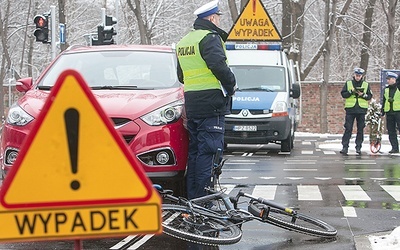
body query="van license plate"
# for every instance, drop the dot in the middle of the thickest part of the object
(244, 128)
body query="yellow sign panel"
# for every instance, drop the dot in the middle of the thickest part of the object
(83, 222)
(254, 24)
(72, 158)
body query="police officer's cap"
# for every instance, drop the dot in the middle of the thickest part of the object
(208, 9)
(391, 75)
(359, 71)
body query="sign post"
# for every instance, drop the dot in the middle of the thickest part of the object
(75, 178)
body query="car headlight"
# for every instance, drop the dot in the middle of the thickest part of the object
(164, 115)
(17, 116)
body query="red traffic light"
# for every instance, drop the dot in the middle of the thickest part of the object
(40, 21)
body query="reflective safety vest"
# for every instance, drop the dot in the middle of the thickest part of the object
(396, 100)
(351, 101)
(196, 74)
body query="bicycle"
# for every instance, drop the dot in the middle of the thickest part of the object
(193, 220)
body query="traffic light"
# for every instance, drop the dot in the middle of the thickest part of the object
(105, 33)
(42, 28)
(110, 20)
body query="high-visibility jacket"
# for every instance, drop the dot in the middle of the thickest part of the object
(396, 100)
(196, 74)
(351, 101)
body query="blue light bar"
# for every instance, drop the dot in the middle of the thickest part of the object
(249, 46)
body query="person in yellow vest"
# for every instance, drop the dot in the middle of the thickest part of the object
(357, 93)
(208, 85)
(391, 107)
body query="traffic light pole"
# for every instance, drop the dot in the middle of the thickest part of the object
(53, 31)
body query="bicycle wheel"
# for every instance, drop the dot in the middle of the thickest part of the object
(179, 222)
(299, 223)
(375, 146)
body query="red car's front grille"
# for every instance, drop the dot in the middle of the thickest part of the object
(118, 122)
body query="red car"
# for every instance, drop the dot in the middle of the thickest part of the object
(138, 89)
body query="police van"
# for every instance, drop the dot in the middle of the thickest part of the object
(265, 105)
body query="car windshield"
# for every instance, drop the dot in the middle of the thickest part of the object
(259, 78)
(117, 69)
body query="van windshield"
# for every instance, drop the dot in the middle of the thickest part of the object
(259, 78)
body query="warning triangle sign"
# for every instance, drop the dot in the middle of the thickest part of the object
(254, 24)
(74, 156)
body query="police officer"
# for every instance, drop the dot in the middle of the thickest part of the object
(357, 94)
(391, 107)
(208, 85)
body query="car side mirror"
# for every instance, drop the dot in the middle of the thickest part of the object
(295, 91)
(24, 84)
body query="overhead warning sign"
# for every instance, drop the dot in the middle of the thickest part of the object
(75, 176)
(254, 24)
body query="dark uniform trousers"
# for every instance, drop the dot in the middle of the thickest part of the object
(206, 135)
(393, 119)
(348, 129)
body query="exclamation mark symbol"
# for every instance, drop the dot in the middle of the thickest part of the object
(71, 118)
(254, 7)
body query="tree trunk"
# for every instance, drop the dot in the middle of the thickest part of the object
(367, 34)
(318, 54)
(141, 24)
(390, 17)
(233, 10)
(329, 34)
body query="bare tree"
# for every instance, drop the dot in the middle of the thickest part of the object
(390, 12)
(293, 27)
(330, 16)
(367, 34)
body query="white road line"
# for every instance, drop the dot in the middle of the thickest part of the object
(300, 169)
(394, 191)
(365, 170)
(299, 162)
(294, 178)
(267, 177)
(240, 177)
(358, 162)
(309, 193)
(306, 143)
(140, 242)
(352, 178)
(354, 193)
(307, 152)
(265, 191)
(323, 178)
(329, 152)
(349, 212)
(123, 242)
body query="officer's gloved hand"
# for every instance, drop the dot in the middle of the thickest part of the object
(390, 99)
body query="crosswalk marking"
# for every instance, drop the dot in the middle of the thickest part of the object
(394, 191)
(313, 192)
(265, 191)
(349, 212)
(354, 193)
(309, 193)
